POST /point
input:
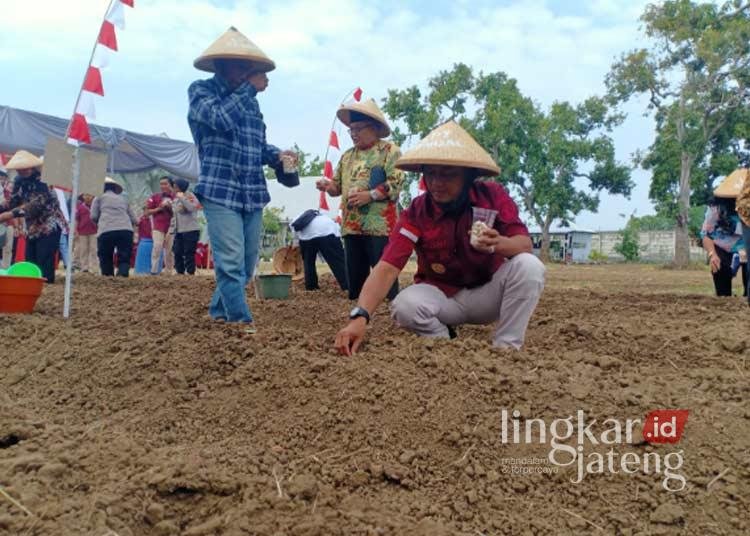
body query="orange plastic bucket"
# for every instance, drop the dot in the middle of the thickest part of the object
(19, 294)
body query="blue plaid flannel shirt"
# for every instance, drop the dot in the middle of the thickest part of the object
(229, 131)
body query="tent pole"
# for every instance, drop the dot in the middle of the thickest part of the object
(72, 230)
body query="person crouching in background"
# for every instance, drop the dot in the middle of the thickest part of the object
(115, 220)
(185, 207)
(743, 211)
(722, 239)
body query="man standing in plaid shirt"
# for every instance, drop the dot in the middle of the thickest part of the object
(228, 129)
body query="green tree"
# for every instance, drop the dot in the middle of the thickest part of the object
(629, 244)
(272, 219)
(696, 76)
(308, 165)
(542, 154)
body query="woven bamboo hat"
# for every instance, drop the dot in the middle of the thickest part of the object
(24, 160)
(288, 260)
(110, 180)
(730, 187)
(233, 45)
(368, 108)
(448, 145)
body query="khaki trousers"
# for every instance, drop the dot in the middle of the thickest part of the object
(162, 242)
(85, 252)
(509, 300)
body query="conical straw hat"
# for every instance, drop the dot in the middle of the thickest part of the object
(448, 145)
(23, 160)
(234, 45)
(368, 108)
(732, 184)
(110, 180)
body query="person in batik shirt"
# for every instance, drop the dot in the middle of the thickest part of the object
(33, 200)
(367, 178)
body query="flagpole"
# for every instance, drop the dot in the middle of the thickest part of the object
(333, 123)
(77, 178)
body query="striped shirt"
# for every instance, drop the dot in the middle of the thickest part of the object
(228, 129)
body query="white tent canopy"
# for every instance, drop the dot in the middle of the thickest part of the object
(127, 152)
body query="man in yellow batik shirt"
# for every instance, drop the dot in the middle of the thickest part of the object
(367, 178)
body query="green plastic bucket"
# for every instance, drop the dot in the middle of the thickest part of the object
(273, 286)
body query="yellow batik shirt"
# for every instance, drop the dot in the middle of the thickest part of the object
(376, 218)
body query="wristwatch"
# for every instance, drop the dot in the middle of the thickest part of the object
(374, 195)
(359, 311)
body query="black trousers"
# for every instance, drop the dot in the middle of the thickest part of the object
(332, 251)
(108, 242)
(362, 253)
(184, 248)
(746, 240)
(41, 251)
(723, 276)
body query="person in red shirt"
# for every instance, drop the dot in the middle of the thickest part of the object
(466, 273)
(160, 210)
(7, 228)
(85, 250)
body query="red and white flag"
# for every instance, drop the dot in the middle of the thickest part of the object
(106, 44)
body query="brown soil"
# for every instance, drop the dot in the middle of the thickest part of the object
(142, 417)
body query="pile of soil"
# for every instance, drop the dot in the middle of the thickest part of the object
(141, 416)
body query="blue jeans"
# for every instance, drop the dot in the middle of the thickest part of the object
(64, 249)
(235, 239)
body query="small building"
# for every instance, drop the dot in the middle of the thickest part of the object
(566, 245)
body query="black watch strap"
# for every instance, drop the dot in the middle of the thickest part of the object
(360, 311)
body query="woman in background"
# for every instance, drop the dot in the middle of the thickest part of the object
(33, 200)
(145, 243)
(187, 230)
(115, 220)
(722, 239)
(743, 211)
(84, 250)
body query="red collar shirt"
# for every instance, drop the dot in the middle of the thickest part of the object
(162, 219)
(84, 223)
(445, 257)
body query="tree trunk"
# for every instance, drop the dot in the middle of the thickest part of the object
(544, 251)
(681, 236)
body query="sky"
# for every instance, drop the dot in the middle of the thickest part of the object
(555, 49)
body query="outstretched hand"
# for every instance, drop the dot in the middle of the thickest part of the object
(350, 338)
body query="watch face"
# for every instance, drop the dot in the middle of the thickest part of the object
(353, 312)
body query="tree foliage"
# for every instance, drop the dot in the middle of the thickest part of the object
(272, 221)
(695, 74)
(557, 161)
(629, 245)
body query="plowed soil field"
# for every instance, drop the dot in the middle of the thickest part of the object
(141, 416)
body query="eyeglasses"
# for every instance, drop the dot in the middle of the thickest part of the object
(357, 130)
